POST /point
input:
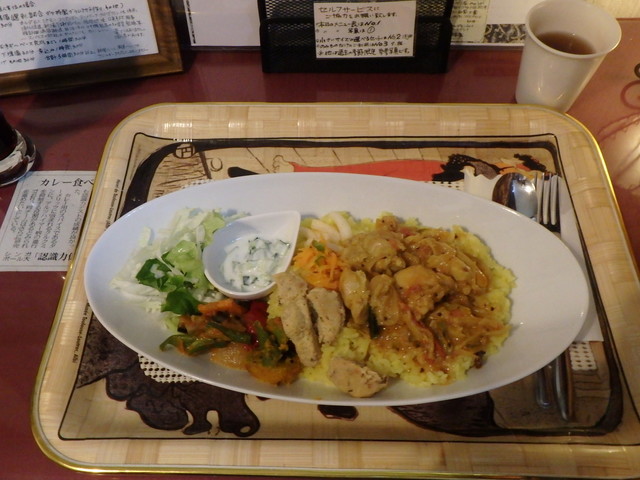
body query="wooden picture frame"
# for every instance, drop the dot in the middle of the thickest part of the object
(167, 60)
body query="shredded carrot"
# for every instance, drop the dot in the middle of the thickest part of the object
(320, 268)
(227, 305)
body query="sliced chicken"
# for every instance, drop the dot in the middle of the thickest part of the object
(329, 311)
(296, 317)
(357, 380)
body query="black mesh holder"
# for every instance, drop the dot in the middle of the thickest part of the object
(287, 38)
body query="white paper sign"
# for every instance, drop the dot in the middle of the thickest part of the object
(223, 23)
(49, 33)
(43, 222)
(469, 19)
(364, 29)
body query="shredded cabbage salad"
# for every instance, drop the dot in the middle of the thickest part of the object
(165, 273)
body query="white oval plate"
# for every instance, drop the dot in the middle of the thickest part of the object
(550, 300)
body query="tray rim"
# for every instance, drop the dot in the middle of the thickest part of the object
(58, 456)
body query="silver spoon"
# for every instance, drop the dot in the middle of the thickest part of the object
(517, 192)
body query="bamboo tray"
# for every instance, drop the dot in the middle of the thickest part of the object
(99, 407)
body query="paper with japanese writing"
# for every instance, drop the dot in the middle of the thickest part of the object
(50, 33)
(364, 29)
(42, 224)
(469, 19)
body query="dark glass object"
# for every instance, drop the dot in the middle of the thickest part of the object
(8, 137)
(17, 153)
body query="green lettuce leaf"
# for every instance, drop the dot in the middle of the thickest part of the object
(181, 302)
(157, 274)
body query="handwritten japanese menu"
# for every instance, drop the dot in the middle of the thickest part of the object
(469, 19)
(365, 29)
(44, 219)
(48, 33)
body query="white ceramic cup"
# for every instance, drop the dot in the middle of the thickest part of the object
(555, 78)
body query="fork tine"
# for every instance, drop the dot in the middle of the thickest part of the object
(548, 200)
(539, 183)
(553, 196)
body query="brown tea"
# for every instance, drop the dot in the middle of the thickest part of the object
(567, 42)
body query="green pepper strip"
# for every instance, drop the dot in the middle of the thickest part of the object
(193, 345)
(269, 353)
(261, 334)
(231, 334)
(278, 332)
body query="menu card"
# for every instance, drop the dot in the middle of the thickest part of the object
(42, 224)
(49, 33)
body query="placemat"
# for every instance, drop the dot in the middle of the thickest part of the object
(98, 406)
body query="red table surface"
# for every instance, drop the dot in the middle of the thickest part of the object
(70, 129)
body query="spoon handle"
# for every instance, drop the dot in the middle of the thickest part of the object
(563, 385)
(544, 390)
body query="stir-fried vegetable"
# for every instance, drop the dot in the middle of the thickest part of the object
(166, 274)
(192, 345)
(225, 324)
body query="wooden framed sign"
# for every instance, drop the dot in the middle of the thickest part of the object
(51, 44)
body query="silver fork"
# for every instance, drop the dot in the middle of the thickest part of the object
(548, 190)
